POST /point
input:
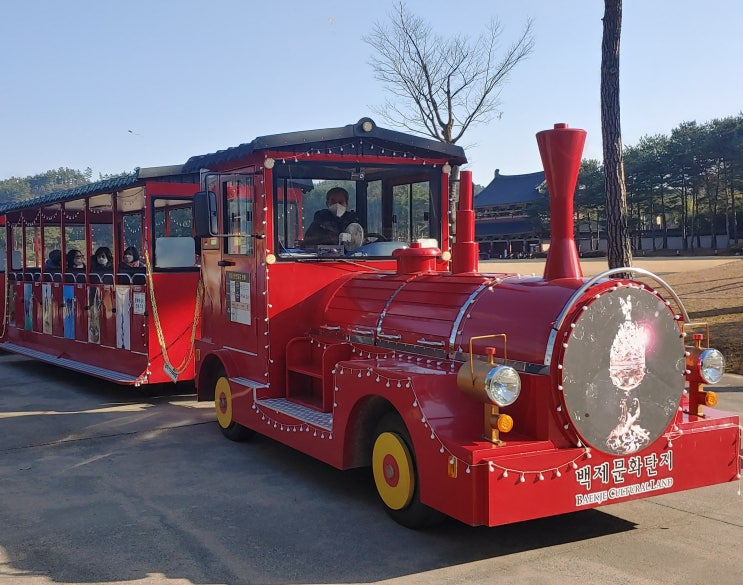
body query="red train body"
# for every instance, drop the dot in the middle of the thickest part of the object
(491, 398)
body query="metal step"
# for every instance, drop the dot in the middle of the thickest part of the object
(323, 420)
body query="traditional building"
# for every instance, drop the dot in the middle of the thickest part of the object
(502, 226)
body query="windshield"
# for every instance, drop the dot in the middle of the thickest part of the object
(370, 211)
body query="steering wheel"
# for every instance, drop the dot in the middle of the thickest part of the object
(375, 237)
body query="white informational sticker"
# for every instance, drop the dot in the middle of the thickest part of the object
(238, 297)
(140, 303)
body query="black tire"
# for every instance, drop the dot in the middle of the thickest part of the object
(401, 500)
(223, 409)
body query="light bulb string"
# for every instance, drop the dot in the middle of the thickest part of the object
(354, 149)
(407, 383)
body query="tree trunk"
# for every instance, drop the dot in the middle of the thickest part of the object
(663, 224)
(684, 212)
(619, 249)
(734, 211)
(694, 204)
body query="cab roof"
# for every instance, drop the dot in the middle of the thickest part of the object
(363, 137)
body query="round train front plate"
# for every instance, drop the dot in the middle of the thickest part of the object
(623, 370)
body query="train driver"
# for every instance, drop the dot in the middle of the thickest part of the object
(330, 225)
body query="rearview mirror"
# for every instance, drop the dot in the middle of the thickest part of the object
(205, 214)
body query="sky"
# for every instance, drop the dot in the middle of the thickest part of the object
(119, 84)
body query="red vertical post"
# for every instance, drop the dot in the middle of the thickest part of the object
(445, 238)
(561, 149)
(465, 249)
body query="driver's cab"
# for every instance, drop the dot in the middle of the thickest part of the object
(265, 281)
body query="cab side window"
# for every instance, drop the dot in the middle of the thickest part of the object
(239, 209)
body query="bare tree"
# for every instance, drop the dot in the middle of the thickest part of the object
(618, 242)
(441, 87)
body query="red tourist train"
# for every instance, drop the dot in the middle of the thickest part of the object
(490, 398)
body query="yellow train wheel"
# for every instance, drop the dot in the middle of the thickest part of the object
(393, 470)
(396, 475)
(223, 402)
(223, 408)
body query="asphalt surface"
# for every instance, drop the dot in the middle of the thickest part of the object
(104, 484)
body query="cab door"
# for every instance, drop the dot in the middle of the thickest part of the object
(231, 267)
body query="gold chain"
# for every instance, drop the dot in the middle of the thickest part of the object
(158, 328)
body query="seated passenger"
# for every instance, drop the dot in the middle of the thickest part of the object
(328, 224)
(103, 260)
(131, 258)
(54, 262)
(75, 261)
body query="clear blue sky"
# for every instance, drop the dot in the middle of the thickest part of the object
(116, 84)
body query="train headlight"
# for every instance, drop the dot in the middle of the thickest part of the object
(502, 385)
(711, 366)
(489, 383)
(494, 385)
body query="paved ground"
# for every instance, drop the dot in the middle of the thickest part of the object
(100, 484)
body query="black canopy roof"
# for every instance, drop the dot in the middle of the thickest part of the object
(136, 177)
(367, 137)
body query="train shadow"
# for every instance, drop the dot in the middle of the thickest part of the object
(92, 386)
(345, 520)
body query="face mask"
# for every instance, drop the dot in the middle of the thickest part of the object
(128, 258)
(102, 260)
(338, 209)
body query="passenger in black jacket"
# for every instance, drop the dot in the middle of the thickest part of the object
(75, 261)
(54, 262)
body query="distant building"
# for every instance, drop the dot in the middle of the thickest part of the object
(504, 230)
(502, 226)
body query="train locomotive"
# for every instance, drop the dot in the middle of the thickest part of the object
(491, 398)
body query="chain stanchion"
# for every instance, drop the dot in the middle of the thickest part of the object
(173, 371)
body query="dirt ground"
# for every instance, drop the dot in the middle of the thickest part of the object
(715, 295)
(711, 289)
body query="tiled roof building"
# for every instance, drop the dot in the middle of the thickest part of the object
(502, 226)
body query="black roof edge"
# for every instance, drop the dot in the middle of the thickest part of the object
(106, 186)
(364, 128)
